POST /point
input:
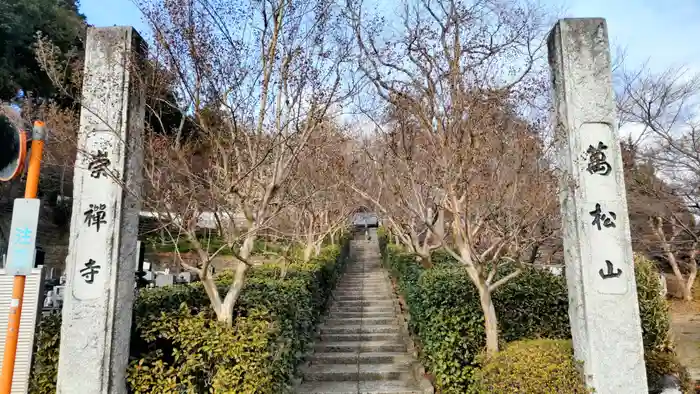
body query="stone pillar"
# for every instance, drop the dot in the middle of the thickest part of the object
(99, 297)
(603, 305)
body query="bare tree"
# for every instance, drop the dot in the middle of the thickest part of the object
(392, 174)
(259, 93)
(256, 79)
(662, 109)
(319, 201)
(463, 74)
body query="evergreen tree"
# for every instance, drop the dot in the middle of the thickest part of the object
(20, 21)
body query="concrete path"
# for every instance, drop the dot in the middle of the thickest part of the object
(362, 347)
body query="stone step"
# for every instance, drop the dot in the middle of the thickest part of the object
(359, 329)
(368, 269)
(369, 266)
(365, 321)
(348, 300)
(365, 286)
(350, 372)
(359, 315)
(361, 358)
(362, 293)
(377, 272)
(382, 290)
(360, 346)
(363, 282)
(388, 308)
(368, 272)
(360, 282)
(372, 387)
(360, 286)
(390, 371)
(361, 336)
(382, 302)
(388, 387)
(363, 297)
(376, 275)
(331, 372)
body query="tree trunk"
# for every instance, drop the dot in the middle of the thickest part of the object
(234, 291)
(490, 319)
(212, 292)
(425, 261)
(308, 251)
(686, 286)
(283, 269)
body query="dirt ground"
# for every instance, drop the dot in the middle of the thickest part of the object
(685, 326)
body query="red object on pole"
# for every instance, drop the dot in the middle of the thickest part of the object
(30, 191)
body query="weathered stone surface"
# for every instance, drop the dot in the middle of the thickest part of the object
(97, 308)
(603, 306)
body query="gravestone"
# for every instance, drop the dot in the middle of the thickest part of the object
(603, 306)
(99, 295)
(184, 277)
(163, 280)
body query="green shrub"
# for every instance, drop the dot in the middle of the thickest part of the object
(447, 321)
(440, 258)
(526, 311)
(660, 363)
(442, 308)
(382, 236)
(659, 357)
(45, 360)
(541, 366)
(178, 346)
(653, 307)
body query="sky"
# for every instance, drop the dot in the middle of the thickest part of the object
(661, 32)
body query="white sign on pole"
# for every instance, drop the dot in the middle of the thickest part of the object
(23, 231)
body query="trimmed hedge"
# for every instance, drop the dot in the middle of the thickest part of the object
(539, 366)
(177, 345)
(447, 321)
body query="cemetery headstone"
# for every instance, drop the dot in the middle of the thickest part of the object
(164, 280)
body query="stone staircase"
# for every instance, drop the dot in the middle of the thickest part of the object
(362, 347)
